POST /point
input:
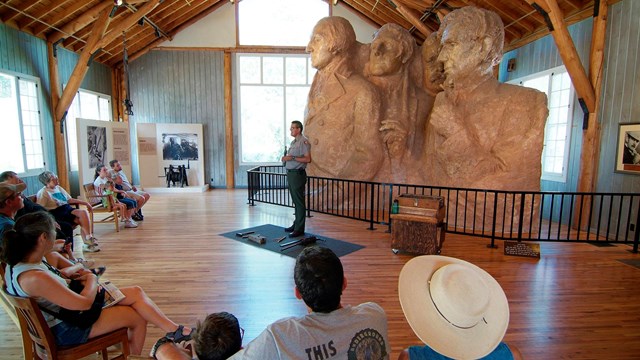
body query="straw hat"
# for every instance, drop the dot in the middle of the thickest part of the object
(453, 306)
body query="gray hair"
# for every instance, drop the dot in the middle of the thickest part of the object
(45, 177)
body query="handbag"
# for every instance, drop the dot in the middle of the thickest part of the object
(79, 318)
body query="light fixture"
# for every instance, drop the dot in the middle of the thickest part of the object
(334, 2)
(117, 2)
(141, 21)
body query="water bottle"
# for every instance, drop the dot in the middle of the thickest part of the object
(395, 207)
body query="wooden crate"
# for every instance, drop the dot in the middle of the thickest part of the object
(417, 234)
(422, 205)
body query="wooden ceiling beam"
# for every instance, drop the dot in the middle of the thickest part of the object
(570, 57)
(193, 19)
(40, 13)
(78, 23)
(145, 34)
(412, 17)
(12, 14)
(128, 22)
(58, 18)
(82, 65)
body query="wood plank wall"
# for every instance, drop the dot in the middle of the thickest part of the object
(182, 87)
(620, 91)
(24, 54)
(542, 55)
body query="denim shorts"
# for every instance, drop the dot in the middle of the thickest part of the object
(66, 334)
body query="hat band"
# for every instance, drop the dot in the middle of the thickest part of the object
(444, 317)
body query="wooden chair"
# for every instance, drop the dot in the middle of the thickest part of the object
(38, 339)
(97, 207)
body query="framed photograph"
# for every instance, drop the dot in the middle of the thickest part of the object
(628, 155)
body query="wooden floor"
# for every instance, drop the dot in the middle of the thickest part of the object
(577, 302)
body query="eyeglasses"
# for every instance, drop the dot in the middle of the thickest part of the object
(241, 333)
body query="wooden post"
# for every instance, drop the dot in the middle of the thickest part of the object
(58, 136)
(228, 121)
(590, 155)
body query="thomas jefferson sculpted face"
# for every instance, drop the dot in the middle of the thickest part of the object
(390, 50)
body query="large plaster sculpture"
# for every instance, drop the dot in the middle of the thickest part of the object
(343, 109)
(482, 133)
(395, 67)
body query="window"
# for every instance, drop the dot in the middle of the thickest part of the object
(273, 91)
(556, 83)
(85, 105)
(269, 23)
(21, 125)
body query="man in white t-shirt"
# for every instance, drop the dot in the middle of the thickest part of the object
(138, 195)
(330, 330)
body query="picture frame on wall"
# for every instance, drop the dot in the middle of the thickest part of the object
(628, 154)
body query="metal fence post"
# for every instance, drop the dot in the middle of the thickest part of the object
(636, 235)
(493, 225)
(371, 209)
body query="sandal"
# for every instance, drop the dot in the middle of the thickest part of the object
(178, 336)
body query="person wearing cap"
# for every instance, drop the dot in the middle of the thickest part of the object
(457, 309)
(58, 202)
(10, 203)
(330, 330)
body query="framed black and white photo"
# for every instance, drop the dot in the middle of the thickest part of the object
(628, 155)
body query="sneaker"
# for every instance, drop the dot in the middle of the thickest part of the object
(99, 270)
(91, 240)
(90, 248)
(87, 263)
(139, 213)
(136, 217)
(130, 224)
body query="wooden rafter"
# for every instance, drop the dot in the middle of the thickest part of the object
(80, 70)
(40, 13)
(67, 12)
(80, 22)
(412, 17)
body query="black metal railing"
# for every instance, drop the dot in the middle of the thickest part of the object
(493, 214)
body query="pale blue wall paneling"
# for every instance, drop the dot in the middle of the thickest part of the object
(183, 87)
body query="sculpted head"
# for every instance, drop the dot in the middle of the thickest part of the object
(391, 49)
(472, 42)
(332, 38)
(433, 73)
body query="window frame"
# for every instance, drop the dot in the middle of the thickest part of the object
(310, 72)
(552, 176)
(72, 166)
(39, 101)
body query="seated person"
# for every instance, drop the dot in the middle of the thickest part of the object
(138, 195)
(28, 276)
(103, 175)
(216, 338)
(330, 329)
(457, 309)
(58, 202)
(11, 202)
(126, 207)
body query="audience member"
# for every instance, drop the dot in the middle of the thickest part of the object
(329, 330)
(102, 177)
(27, 275)
(138, 195)
(124, 208)
(216, 338)
(58, 202)
(10, 203)
(457, 309)
(64, 230)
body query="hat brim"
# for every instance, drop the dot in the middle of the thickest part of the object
(436, 331)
